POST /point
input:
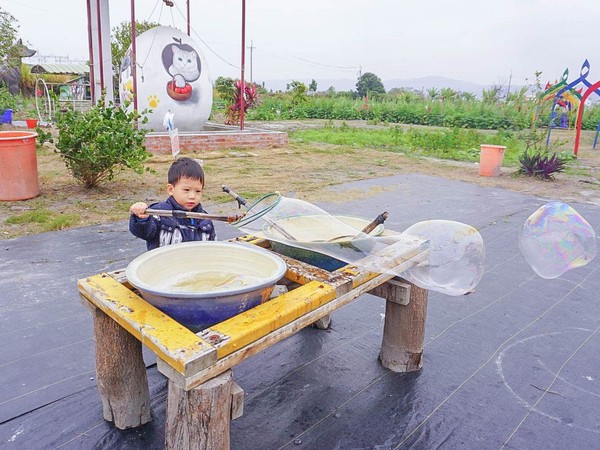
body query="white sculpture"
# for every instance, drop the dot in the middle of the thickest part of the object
(172, 75)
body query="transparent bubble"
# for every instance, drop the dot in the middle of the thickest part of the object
(453, 252)
(555, 239)
(304, 231)
(455, 262)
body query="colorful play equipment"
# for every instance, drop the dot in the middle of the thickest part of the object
(569, 98)
(592, 89)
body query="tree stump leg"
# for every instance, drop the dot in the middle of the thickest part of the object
(404, 326)
(120, 374)
(323, 323)
(199, 419)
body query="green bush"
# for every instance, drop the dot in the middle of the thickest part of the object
(417, 110)
(7, 100)
(96, 144)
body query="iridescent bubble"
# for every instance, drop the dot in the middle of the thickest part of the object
(555, 239)
(456, 254)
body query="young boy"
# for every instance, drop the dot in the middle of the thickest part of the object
(185, 184)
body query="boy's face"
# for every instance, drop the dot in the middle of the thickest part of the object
(186, 192)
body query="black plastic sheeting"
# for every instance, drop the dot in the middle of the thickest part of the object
(512, 365)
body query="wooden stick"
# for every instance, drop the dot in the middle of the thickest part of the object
(192, 215)
(377, 221)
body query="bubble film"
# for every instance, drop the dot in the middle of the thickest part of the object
(449, 254)
(291, 224)
(456, 257)
(556, 239)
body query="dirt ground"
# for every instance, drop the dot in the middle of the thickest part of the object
(301, 169)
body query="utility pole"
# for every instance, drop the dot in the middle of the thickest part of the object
(508, 89)
(243, 65)
(251, 48)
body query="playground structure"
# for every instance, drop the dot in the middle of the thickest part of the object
(571, 99)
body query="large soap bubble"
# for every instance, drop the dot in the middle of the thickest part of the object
(452, 252)
(555, 239)
(304, 231)
(456, 256)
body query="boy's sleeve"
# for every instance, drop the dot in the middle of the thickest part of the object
(207, 228)
(145, 229)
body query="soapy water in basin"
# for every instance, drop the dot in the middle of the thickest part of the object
(205, 281)
(556, 239)
(453, 265)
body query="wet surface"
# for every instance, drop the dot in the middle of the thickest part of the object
(513, 363)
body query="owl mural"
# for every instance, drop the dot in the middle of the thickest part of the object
(172, 75)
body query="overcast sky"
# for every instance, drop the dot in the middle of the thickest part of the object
(472, 40)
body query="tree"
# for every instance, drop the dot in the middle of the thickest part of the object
(468, 96)
(225, 87)
(448, 94)
(8, 36)
(298, 92)
(369, 83)
(491, 95)
(121, 40)
(312, 87)
(433, 93)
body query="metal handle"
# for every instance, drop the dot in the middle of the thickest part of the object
(242, 201)
(192, 215)
(238, 198)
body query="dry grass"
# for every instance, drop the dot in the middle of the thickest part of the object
(303, 169)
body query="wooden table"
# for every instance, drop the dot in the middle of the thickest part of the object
(198, 366)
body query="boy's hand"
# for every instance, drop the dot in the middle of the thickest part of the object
(139, 209)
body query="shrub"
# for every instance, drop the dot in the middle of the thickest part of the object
(7, 100)
(97, 144)
(540, 164)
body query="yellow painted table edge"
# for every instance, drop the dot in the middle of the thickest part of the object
(251, 325)
(175, 344)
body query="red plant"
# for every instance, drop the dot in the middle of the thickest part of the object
(250, 100)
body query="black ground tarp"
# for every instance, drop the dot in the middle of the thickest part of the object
(512, 365)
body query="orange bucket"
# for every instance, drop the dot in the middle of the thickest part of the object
(490, 160)
(18, 165)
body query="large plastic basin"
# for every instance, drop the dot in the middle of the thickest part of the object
(200, 284)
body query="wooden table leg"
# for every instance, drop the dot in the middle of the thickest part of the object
(200, 418)
(121, 374)
(323, 323)
(404, 326)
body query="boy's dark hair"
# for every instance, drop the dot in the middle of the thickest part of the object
(185, 168)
